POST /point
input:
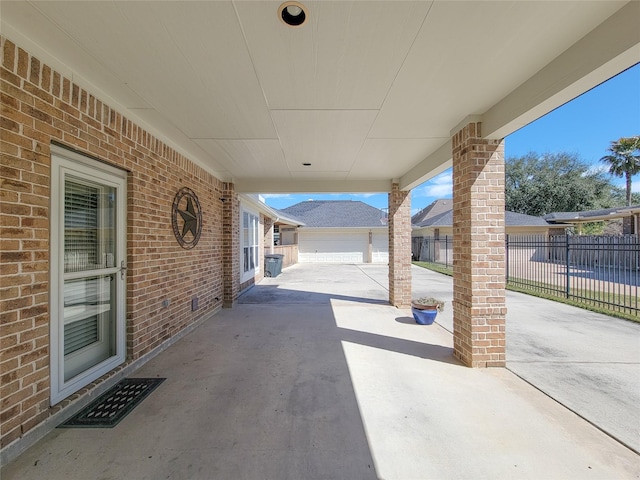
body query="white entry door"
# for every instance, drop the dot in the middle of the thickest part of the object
(88, 256)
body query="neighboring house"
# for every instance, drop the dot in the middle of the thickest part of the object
(339, 231)
(437, 220)
(434, 208)
(630, 218)
(436, 223)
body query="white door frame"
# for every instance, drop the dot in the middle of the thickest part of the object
(255, 232)
(67, 162)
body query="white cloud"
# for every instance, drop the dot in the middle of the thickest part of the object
(365, 195)
(439, 190)
(444, 178)
(275, 195)
(439, 186)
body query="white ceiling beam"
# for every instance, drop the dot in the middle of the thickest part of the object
(431, 166)
(607, 50)
(262, 185)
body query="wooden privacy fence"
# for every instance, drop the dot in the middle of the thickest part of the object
(290, 253)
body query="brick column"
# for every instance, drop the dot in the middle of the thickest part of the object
(230, 246)
(399, 247)
(629, 225)
(478, 249)
(268, 234)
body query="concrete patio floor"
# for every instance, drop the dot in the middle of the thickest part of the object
(313, 376)
(587, 361)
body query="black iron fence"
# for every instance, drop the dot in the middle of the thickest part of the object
(601, 271)
(433, 249)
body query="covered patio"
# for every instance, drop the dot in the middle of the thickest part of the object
(310, 378)
(134, 135)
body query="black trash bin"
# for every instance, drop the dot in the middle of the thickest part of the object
(272, 264)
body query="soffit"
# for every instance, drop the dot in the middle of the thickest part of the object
(365, 91)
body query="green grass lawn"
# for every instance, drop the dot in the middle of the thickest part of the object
(590, 300)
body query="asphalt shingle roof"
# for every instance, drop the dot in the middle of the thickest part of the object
(336, 214)
(289, 217)
(433, 209)
(511, 219)
(560, 216)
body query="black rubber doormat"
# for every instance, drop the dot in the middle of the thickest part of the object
(108, 409)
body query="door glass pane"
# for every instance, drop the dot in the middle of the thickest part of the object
(89, 318)
(89, 301)
(89, 220)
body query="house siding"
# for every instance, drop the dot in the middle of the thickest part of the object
(40, 106)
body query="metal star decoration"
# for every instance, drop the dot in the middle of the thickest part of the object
(190, 219)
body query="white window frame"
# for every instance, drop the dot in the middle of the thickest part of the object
(254, 241)
(63, 160)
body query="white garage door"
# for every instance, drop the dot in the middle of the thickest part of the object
(380, 252)
(333, 247)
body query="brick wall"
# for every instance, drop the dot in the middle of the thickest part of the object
(630, 225)
(40, 106)
(231, 245)
(268, 234)
(399, 247)
(478, 249)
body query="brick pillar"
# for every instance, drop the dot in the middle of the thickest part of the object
(268, 234)
(629, 225)
(478, 249)
(399, 247)
(230, 246)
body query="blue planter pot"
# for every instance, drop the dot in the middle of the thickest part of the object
(424, 317)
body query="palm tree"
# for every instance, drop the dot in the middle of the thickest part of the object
(624, 160)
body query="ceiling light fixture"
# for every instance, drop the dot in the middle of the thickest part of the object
(292, 13)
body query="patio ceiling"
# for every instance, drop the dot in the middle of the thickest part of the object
(365, 92)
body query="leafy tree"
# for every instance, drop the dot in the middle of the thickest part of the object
(624, 160)
(593, 228)
(555, 182)
(619, 197)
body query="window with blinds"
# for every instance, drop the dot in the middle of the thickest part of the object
(89, 217)
(250, 241)
(80, 227)
(85, 301)
(88, 222)
(80, 334)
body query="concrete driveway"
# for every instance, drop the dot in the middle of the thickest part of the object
(586, 361)
(313, 376)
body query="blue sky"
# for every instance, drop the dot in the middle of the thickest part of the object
(585, 126)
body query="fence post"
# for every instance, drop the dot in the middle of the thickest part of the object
(506, 258)
(567, 255)
(446, 251)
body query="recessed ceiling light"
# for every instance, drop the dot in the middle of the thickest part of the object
(292, 13)
(306, 164)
